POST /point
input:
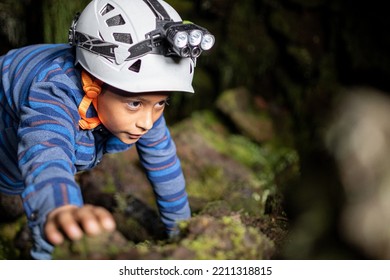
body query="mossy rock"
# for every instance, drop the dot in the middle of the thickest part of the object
(224, 238)
(15, 241)
(240, 107)
(104, 246)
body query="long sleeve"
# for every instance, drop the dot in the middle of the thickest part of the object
(46, 151)
(158, 156)
(46, 154)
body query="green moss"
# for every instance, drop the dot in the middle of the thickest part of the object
(267, 160)
(211, 184)
(109, 186)
(237, 231)
(103, 246)
(121, 202)
(223, 239)
(8, 233)
(204, 248)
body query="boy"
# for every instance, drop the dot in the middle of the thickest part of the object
(62, 107)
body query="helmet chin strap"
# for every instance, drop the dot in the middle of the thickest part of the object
(92, 88)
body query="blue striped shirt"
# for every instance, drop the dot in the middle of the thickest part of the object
(42, 146)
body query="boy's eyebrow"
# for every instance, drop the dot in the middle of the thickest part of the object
(145, 99)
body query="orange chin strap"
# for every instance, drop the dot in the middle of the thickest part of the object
(92, 88)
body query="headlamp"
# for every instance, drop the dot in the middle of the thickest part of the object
(187, 40)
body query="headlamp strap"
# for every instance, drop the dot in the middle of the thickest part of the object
(107, 50)
(158, 10)
(92, 88)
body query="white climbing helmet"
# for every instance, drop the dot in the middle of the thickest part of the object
(138, 45)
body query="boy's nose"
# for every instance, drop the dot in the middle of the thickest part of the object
(145, 121)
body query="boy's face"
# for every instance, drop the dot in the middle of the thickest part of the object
(129, 115)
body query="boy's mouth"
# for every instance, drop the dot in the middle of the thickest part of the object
(135, 136)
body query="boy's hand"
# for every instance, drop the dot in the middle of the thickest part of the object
(72, 222)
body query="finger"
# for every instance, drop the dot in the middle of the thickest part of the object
(67, 222)
(53, 235)
(105, 218)
(89, 221)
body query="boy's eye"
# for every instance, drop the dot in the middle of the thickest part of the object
(134, 104)
(163, 103)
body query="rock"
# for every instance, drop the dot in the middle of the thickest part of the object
(11, 207)
(104, 246)
(137, 221)
(211, 174)
(239, 106)
(225, 238)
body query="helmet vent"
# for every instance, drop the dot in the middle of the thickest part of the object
(136, 66)
(123, 37)
(108, 8)
(115, 21)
